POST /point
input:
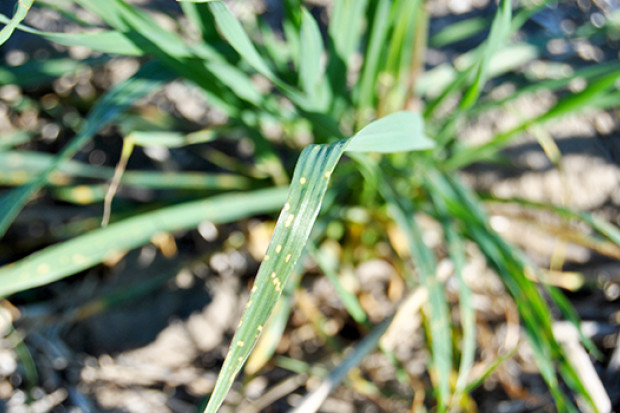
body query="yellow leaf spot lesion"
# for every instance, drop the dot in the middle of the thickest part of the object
(43, 269)
(288, 257)
(240, 323)
(287, 206)
(278, 248)
(302, 180)
(83, 194)
(266, 257)
(79, 259)
(19, 177)
(240, 359)
(273, 274)
(248, 304)
(289, 220)
(254, 287)
(259, 328)
(240, 343)
(327, 174)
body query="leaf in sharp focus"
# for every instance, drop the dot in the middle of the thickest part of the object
(292, 230)
(290, 236)
(400, 131)
(62, 260)
(21, 10)
(148, 79)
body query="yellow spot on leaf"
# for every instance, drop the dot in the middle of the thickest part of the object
(278, 248)
(240, 344)
(79, 259)
(19, 177)
(289, 220)
(266, 257)
(302, 180)
(327, 174)
(43, 269)
(83, 194)
(288, 258)
(273, 275)
(287, 206)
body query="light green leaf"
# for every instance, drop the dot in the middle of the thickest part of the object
(61, 260)
(311, 73)
(103, 41)
(21, 10)
(19, 167)
(170, 139)
(424, 258)
(401, 131)
(233, 32)
(293, 227)
(500, 28)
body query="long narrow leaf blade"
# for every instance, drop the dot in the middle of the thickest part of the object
(65, 259)
(290, 236)
(233, 32)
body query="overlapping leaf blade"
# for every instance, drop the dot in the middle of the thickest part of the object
(145, 81)
(306, 192)
(62, 260)
(21, 10)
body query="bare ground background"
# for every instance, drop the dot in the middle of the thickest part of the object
(149, 331)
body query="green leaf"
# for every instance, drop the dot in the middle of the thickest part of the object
(145, 81)
(500, 28)
(598, 89)
(345, 33)
(306, 193)
(456, 250)
(378, 34)
(61, 260)
(311, 73)
(19, 167)
(237, 37)
(393, 133)
(441, 343)
(39, 72)
(21, 10)
(458, 31)
(103, 41)
(511, 266)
